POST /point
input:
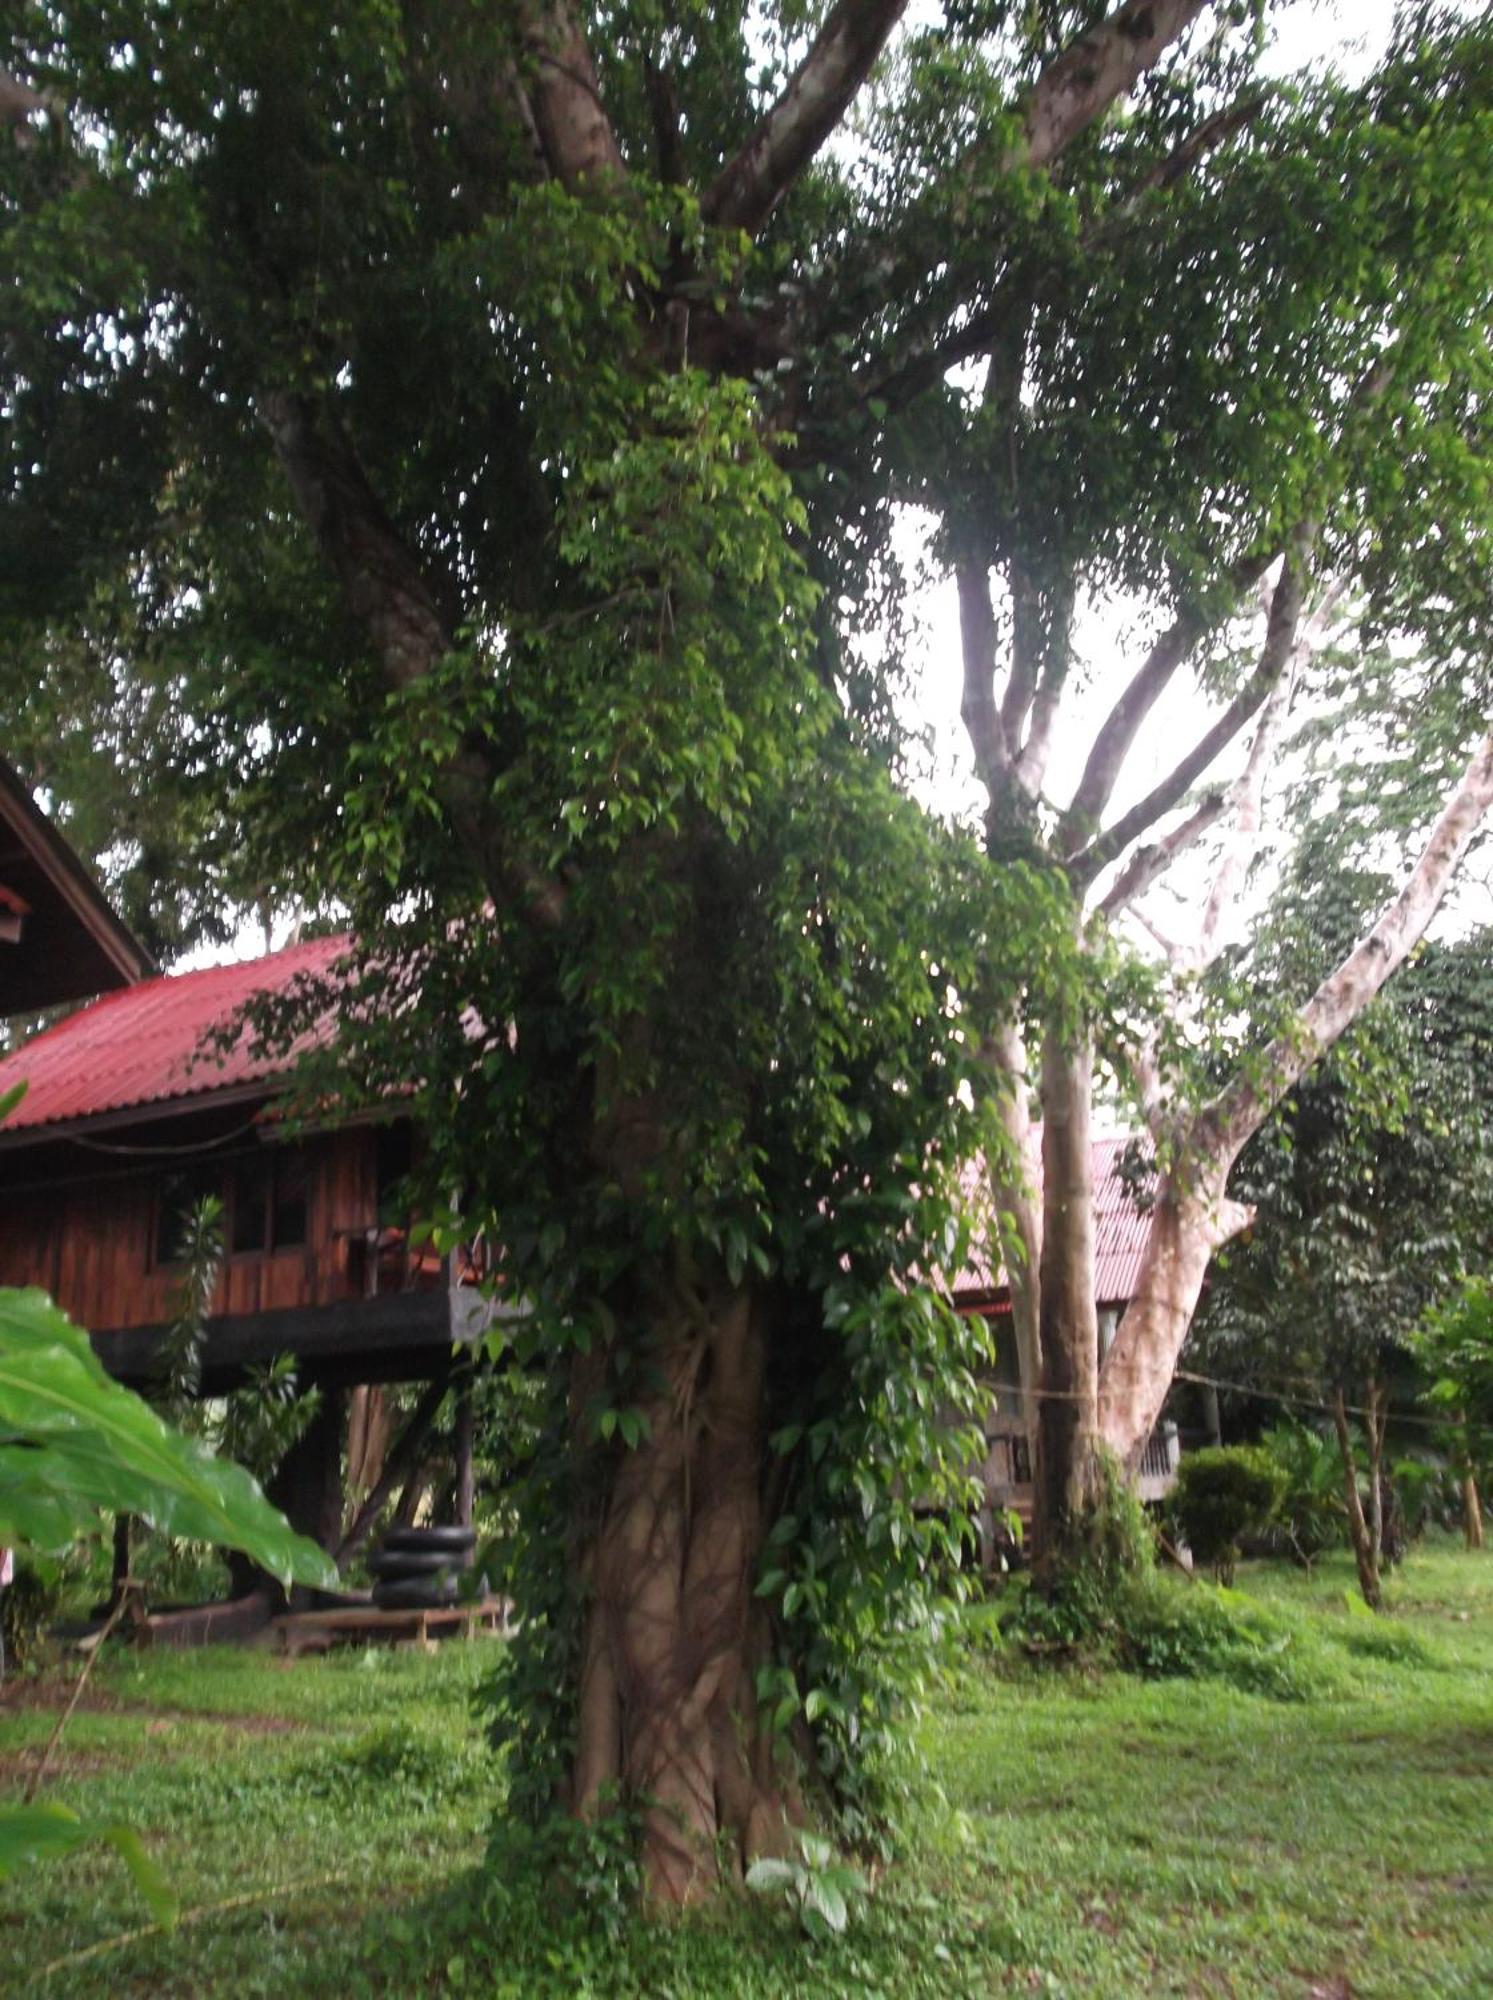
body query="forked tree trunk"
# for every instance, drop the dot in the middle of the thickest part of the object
(1360, 1533)
(668, 1709)
(1192, 1218)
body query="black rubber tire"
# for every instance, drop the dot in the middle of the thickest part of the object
(392, 1564)
(415, 1593)
(419, 1541)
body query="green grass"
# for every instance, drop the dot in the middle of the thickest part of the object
(1087, 1834)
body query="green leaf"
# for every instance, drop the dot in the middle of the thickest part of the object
(73, 1440)
(768, 1874)
(824, 1898)
(50, 1832)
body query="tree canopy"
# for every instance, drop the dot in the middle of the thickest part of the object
(462, 446)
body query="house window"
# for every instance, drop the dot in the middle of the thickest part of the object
(249, 1205)
(264, 1196)
(267, 1202)
(179, 1196)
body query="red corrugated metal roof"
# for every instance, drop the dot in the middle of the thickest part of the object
(149, 1044)
(1121, 1231)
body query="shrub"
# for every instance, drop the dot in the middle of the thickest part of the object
(1427, 1494)
(1164, 1627)
(1311, 1516)
(1171, 1630)
(1113, 1544)
(1222, 1495)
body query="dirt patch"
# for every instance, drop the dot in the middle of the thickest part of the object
(51, 1696)
(17, 1766)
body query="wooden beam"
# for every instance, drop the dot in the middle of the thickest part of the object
(401, 1460)
(355, 1340)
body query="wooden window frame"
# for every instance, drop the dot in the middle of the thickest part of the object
(226, 1191)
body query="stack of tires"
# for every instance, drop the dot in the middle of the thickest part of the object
(418, 1569)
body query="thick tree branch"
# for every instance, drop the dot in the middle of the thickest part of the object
(1099, 67)
(19, 103)
(1026, 653)
(1280, 638)
(1186, 156)
(564, 97)
(1244, 1104)
(1074, 90)
(1031, 759)
(815, 100)
(384, 584)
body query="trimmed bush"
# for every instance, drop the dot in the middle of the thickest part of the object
(1222, 1496)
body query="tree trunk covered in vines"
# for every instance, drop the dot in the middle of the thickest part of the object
(674, 1636)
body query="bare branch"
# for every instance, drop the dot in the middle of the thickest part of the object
(1245, 800)
(564, 97)
(1031, 759)
(1089, 75)
(1112, 744)
(1148, 864)
(753, 183)
(1026, 652)
(1280, 638)
(1243, 1105)
(1189, 154)
(1116, 736)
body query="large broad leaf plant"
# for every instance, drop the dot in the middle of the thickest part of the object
(75, 1443)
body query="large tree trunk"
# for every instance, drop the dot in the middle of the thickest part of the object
(1190, 1219)
(1065, 1469)
(668, 1715)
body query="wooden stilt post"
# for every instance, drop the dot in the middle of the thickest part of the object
(465, 1425)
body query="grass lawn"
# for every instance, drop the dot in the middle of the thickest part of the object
(1085, 1834)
